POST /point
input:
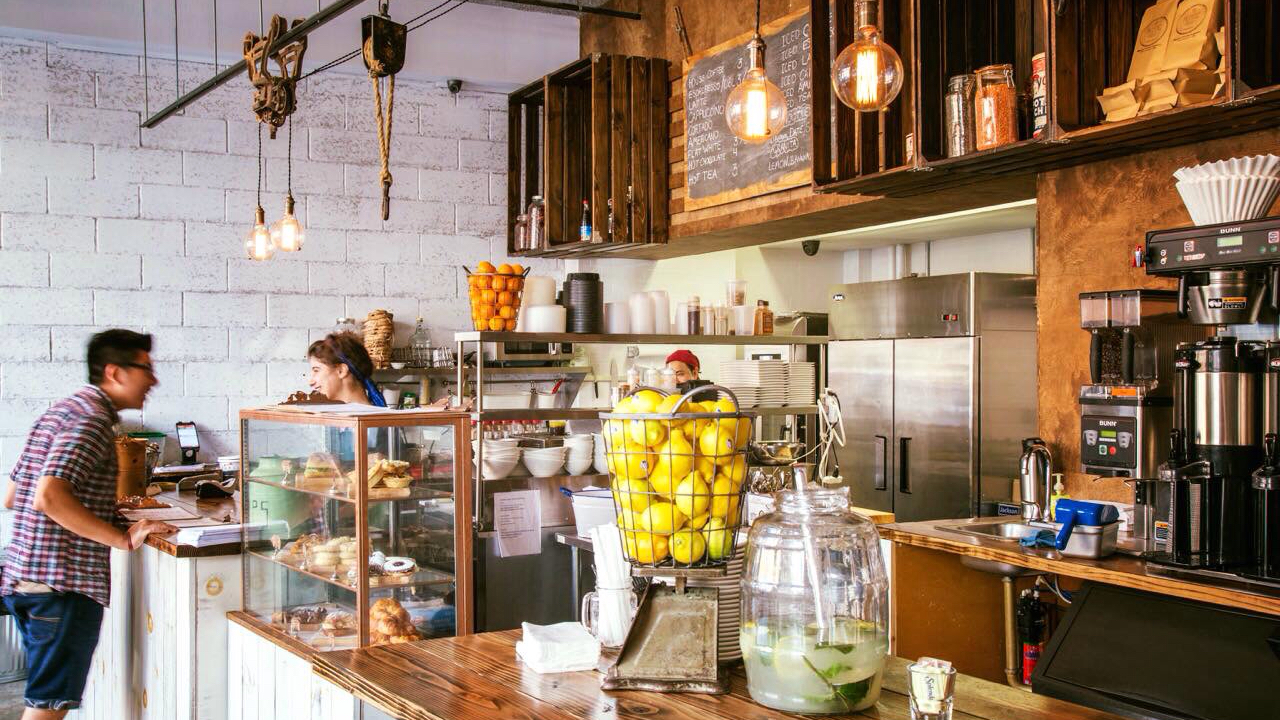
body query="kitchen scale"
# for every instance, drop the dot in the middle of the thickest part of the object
(672, 645)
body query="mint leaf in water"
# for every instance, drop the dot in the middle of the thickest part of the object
(854, 692)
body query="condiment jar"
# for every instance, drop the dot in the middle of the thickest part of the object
(522, 233)
(959, 105)
(763, 319)
(995, 107)
(537, 224)
(815, 606)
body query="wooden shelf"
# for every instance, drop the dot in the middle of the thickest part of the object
(375, 494)
(421, 578)
(472, 336)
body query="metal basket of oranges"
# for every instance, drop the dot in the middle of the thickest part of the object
(677, 469)
(495, 295)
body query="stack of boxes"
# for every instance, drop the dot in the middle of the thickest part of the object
(1177, 60)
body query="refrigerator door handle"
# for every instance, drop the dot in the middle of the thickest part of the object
(882, 462)
(904, 465)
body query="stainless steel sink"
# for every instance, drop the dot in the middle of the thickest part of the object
(1008, 531)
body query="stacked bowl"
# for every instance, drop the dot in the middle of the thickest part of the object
(499, 457)
(1230, 190)
(579, 459)
(545, 462)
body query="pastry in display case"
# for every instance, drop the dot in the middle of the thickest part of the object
(356, 536)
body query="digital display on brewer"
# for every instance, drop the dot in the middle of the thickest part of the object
(1110, 434)
(1229, 242)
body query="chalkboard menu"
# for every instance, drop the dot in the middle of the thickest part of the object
(719, 167)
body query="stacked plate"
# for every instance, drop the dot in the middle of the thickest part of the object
(730, 596)
(584, 300)
(802, 384)
(767, 377)
(1231, 190)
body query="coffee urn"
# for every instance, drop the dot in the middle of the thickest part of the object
(1266, 479)
(1216, 445)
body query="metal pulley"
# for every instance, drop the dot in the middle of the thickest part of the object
(382, 48)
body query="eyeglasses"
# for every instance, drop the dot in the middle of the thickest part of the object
(148, 369)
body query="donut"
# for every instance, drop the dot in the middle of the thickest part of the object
(399, 565)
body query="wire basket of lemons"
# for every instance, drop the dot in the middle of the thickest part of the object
(677, 469)
(495, 295)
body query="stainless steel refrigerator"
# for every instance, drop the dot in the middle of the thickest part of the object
(937, 384)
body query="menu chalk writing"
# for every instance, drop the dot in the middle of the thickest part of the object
(721, 168)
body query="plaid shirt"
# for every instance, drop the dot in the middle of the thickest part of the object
(73, 441)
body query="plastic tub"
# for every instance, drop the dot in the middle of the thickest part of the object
(591, 507)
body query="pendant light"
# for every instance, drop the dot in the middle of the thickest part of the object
(867, 75)
(287, 234)
(257, 243)
(756, 109)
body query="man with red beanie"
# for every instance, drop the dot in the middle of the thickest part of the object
(686, 367)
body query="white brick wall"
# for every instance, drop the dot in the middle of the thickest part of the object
(103, 224)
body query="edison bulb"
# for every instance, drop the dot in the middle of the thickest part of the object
(287, 234)
(257, 243)
(867, 75)
(756, 109)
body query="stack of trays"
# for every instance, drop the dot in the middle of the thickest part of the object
(768, 378)
(802, 382)
(584, 301)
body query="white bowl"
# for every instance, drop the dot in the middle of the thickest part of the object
(399, 365)
(492, 444)
(578, 464)
(544, 465)
(498, 468)
(547, 453)
(598, 456)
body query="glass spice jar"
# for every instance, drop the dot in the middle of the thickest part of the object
(995, 107)
(522, 233)
(537, 224)
(815, 606)
(959, 116)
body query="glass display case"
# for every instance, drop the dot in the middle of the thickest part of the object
(357, 523)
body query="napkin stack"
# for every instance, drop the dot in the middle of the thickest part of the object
(563, 647)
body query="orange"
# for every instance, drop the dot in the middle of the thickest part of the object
(489, 296)
(482, 281)
(504, 269)
(486, 311)
(484, 267)
(506, 312)
(517, 269)
(496, 323)
(515, 283)
(510, 325)
(506, 297)
(472, 280)
(498, 283)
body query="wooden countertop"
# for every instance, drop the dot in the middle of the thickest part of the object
(1123, 570)
(478, 676)
(217, 509)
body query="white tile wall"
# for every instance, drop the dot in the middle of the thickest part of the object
(103, 224)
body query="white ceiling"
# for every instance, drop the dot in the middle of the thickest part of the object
(491, 45)
(967, 223)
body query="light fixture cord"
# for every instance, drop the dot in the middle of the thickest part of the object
(259, 164)
(757, 17)
(289, 161)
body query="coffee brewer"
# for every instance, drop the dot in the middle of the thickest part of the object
(1222, 461)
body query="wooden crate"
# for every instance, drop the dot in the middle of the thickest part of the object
(595, 130)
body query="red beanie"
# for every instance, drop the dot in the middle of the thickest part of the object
(685, 357)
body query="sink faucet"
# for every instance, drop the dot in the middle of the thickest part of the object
(1034, 470)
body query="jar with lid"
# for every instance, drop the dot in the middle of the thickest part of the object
(815, 612)
(763, 319)
(522, 233)
(694, 314)
(959, 104)
(995, 107)
(537, 224)
(346, 324)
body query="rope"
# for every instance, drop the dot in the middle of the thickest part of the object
(384, 123)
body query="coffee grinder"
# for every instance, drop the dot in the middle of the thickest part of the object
(1228, 275)
(1126, 409)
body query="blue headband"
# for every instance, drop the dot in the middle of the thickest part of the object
(370, 390)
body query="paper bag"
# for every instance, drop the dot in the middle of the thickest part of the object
(1153, 36)
(1119, 102)
(1192, 42)
(1156, 97)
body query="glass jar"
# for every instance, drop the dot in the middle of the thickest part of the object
(537, 224)
(522, 233)
(607, 614)
(815, 606)
(959, 104)
(995, 107)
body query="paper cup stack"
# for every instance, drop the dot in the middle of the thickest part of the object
(1231, 190)
(378, 330)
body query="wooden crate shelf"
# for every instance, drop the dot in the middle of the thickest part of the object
(596, 129)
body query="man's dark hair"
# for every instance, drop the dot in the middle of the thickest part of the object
(114, 347)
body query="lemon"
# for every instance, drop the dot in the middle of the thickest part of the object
(631, 494)
(649, 433)
(615, 434)
(724, 405)
(623, 406)
(687, 546)
(723, 497)
(735, 469)
(668, 405)
(692, 496)
(719, 539)
(706, 467)
(717, 441)
(632, 461)
(644, 547)
(697, 523)
(645, 401)
(630, 519)
(662, 518)
(675, 456)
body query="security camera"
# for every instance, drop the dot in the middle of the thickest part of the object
(810, 247)
(455, 86)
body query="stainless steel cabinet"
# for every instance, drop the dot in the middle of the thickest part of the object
(861, 374)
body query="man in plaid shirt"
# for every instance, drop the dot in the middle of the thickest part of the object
(57, 576)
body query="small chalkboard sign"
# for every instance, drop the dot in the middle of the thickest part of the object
(719, 167)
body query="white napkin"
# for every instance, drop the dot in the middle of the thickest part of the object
(563, 647)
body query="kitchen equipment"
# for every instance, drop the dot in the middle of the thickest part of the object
(1126, 409)
(936, 378)
(1216, 444)
(1085, 529)
(1034, 469)
(815, 612)
(546, 319)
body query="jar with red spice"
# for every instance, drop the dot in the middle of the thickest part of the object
(995, 107)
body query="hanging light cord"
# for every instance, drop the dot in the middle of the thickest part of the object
(757, 18)
(289, 160)
(259, 164)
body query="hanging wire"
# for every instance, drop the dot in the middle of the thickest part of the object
(289, 159)
(259, 164)
(146, 77)
(757, 18)
(215, 37)
(177, 83)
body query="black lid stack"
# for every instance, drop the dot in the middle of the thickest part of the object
(584, 301)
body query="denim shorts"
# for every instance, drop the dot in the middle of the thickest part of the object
(59, 633)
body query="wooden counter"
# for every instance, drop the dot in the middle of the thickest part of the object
(228, 508)
(478, 676)
(1123, 570)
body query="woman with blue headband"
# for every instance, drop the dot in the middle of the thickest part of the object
(342, 370)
